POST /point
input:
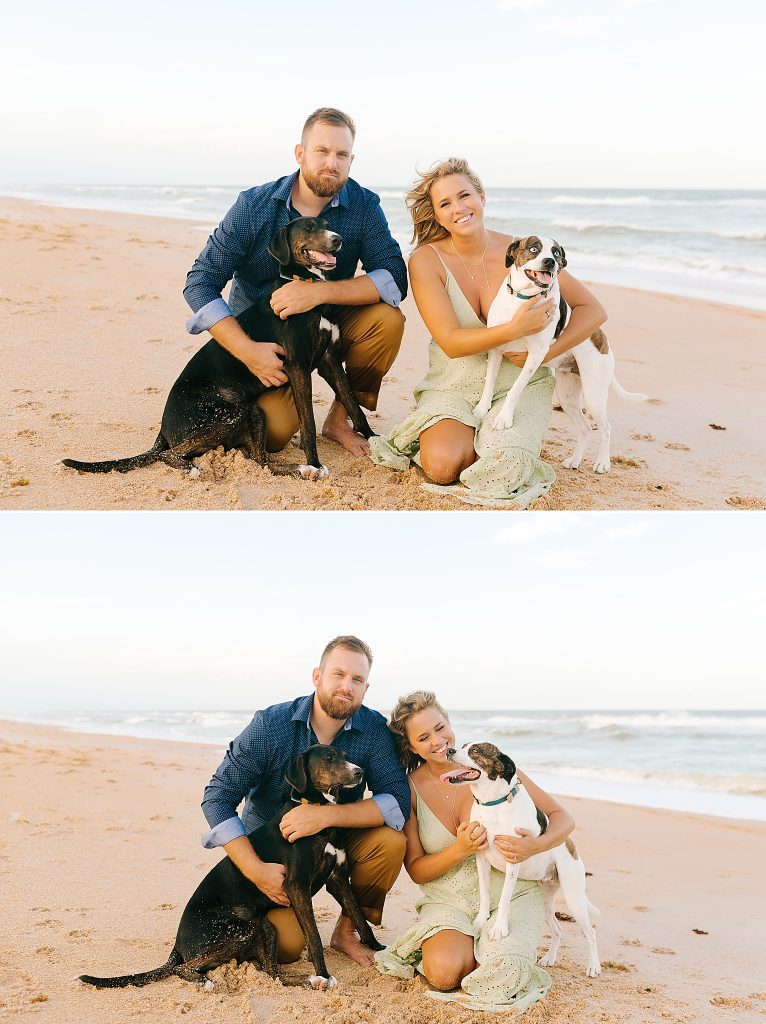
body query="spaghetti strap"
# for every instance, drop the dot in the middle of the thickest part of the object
(432, 246)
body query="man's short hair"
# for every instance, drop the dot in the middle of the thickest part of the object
(348, 643)
(329, 115)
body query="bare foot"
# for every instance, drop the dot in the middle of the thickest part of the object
(345, 940)
(337, 427)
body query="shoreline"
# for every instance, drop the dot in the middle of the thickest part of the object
(96, 337)
(591, 275)
(674, 799)
(102, 851)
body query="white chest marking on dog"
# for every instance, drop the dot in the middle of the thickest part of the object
(329, 798)
(339, 855)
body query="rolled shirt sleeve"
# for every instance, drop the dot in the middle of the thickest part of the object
(208, 316)
(387, 287)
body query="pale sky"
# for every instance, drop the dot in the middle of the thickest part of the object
(602, 93)
(524, 611)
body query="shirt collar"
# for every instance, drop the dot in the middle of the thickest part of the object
(303, 713)
(283, 193)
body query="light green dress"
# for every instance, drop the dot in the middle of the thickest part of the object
(509, 471)
(507, 976)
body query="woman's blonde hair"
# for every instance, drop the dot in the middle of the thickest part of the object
(418, 199)
(405, 708)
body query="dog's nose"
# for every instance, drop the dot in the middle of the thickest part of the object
(548, 263)
(335, 242)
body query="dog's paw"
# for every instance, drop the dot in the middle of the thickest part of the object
(208, 986)
(573, 462)
(602, 466)
(480, 412)
(498, 931)
(313, 472)
(194, 473)
(594, 969)
(503, 421)
(320, 984)
(548, 960)
(480, 921)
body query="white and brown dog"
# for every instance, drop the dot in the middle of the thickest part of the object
(583, 375)
(501, 804)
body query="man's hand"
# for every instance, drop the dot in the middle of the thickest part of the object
(296, 297)
(264, 360)
(305, 820)
(270, 878)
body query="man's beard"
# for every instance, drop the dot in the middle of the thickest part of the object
(338, 709)
(323, 186)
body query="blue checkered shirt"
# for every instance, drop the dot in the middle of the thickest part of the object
(237, 250)
(256, 761)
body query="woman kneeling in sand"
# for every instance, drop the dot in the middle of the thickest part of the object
(455, 272)
(441, 849)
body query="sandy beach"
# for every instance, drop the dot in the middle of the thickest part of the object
(100, 850)
(92, 326)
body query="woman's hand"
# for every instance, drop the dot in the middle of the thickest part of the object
(518, 848)
(531, 317)
(471, 836)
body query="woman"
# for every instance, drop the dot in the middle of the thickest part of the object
(441, 848)
(455, 272)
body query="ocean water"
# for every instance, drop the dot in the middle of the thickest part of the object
(701, 243)
(710, 762)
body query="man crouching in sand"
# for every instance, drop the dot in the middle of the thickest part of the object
(254, 770)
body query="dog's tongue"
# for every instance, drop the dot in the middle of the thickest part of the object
(543, 277)
(326, 258)
(452, 774)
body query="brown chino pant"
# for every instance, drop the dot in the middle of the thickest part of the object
(375, 857)
(370, 337)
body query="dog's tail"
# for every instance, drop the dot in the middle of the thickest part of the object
(121, 465)
(146, 978)
(629, 396)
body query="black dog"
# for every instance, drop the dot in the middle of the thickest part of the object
(213, 402)
(225, 918)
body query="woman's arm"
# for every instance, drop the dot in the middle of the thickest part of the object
(587, 314)
(439, 316)
(424, 867)
(524, 845)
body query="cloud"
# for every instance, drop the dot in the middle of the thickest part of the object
(565, 558)
(627, 531)
(536, 526)
(582, 26)
(519, 5)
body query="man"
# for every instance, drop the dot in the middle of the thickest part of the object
(371, 324)
(254, 768)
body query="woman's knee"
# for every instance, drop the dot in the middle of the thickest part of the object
(443, 467)
(446, 975)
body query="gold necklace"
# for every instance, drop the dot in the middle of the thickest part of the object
(450, 804)
(476, 265)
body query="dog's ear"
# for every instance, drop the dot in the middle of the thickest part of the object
(296, 775)
(504, 768)
(561, 259)
(510, 251)
(279, 246)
